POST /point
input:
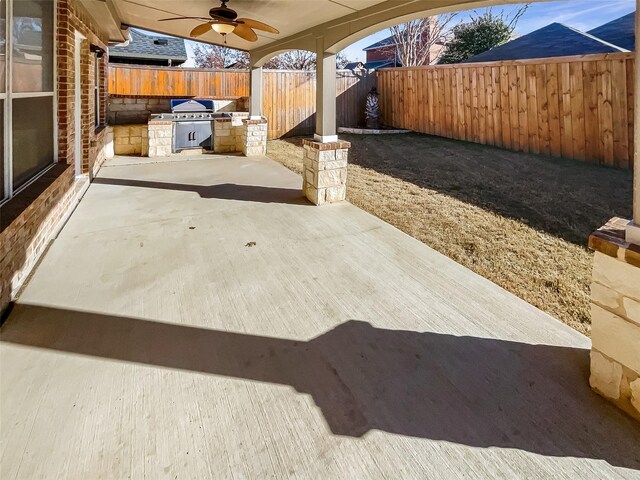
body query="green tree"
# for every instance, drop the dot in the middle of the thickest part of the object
(481, 33)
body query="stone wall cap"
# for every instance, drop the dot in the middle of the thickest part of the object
(326, 146)
(223, 119)
(160, 122)
(247, 121)
(610, 240)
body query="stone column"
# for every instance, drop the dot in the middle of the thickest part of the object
(255, 92)
(324, 176)
(325, 95)
(615, 292)
(615, 317)
(254, 137)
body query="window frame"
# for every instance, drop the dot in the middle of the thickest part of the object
(97, 78)
(8, 96)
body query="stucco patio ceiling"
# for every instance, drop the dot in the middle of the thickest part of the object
(300, 22)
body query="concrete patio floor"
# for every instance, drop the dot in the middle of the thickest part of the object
(197, 318)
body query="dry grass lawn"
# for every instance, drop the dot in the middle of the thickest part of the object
(520, 220)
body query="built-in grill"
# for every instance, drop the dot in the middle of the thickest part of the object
(192, 123)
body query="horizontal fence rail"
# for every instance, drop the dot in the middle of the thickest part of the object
(573, 107)
(289, 97)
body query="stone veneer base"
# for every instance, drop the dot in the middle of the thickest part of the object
(237, 133)
(615, 317)
(228, 133)
(324, 176)
(254, 137)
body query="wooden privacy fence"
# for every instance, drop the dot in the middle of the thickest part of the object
(289, 101)
(574, 107)
(177, 82)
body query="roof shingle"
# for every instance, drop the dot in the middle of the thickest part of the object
(144, 46)
(620, 32)
(555, 40)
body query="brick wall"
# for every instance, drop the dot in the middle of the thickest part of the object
(71, 18)
(125, 110)
(23, 241)
(31, 218)
(380, 54)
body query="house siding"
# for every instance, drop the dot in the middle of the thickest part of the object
(31, 218)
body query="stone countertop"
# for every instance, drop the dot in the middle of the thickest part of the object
(610, 240)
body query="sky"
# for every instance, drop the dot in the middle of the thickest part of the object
(581, 14)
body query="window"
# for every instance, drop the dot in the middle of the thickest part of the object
(3, 96)
(27, 107)
(97, 66)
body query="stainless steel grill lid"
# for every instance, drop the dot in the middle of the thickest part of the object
(178, 106)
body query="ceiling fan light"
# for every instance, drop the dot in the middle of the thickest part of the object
(223, 28)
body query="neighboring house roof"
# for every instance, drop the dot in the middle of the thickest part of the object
(151, 47)
(387, 42)
(381, 64)
(354, 66)
(620, 32)
(555, 40)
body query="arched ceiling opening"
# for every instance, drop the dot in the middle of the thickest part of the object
(337, 34)
(301, 23)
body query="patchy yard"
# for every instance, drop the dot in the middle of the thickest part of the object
(520, 220)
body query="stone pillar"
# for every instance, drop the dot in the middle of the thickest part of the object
(615, 317)
(324, 176)
(255, 99)
(325, 95)
(254, 137)
(633, 229)
(159, 139)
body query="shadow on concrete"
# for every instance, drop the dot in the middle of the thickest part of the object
(467, 390)
(222, 191)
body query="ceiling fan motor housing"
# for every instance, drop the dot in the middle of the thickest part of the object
(224, 12)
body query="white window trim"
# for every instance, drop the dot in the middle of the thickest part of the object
(32, 94)
(97, 77)
(8, 97)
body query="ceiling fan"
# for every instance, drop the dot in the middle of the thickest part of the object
(225, 21)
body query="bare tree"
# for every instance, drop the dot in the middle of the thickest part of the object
(420, 42)
(216, 56)
(300, 60)
(293, 60)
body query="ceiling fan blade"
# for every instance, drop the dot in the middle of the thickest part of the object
(184, 18)
(245, 32)
(200, 30)
(258, 25)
